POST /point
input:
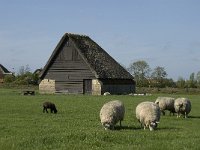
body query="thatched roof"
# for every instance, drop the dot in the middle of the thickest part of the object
(99, 60)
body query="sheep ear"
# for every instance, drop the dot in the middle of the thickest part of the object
(157, 122)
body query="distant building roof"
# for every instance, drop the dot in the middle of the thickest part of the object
(3, 70)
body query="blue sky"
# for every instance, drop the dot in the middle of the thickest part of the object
(162, 32)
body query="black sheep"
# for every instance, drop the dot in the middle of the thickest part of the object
(49, 105)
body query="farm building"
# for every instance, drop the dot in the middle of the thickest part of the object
(79, 65)
(3, 73)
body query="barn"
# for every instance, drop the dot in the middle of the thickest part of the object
(3, 73)
(79, 65)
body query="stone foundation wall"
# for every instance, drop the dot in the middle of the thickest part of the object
(96, 87)
(47, 86)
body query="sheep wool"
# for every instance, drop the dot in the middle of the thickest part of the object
(148, 114)
(166, 103)
(106, 93)
(182, 106)
(111, 113)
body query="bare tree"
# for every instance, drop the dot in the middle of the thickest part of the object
(23, 70)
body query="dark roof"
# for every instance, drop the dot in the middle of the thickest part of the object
(99, 61)
(37, 71)
(4, 70)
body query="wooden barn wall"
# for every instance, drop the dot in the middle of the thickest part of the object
(68, 70)
(1, 73)
(1, 77)
(118, 86)
(118, 89)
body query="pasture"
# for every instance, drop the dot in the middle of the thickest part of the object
(23, 125)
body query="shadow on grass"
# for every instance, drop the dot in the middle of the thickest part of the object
(139, 128)
(168, 128)
(195, 117)
(126, 128)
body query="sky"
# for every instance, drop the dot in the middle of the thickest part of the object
(163, 33)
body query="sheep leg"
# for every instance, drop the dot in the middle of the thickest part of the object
(45, 109)
(163, 113)
(185, 115)
(178, 115)
(120, 123)
(141, 124)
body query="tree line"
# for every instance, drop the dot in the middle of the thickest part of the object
(23, 77)
(157, 77)
(141, 71)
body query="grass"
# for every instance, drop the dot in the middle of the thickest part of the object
(23, 125)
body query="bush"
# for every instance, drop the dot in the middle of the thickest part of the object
(24, 79)
(9, 78)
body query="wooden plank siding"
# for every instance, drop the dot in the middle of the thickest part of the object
(69, 70)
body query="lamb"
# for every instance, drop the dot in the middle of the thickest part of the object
(148, 114)
(182, 106)
(166, 103)
(49, 105)
(111, 113)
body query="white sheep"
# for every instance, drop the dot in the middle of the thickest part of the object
(106, 93)
(148, 114)
(111, 113)
(182, 106)
(166, 103)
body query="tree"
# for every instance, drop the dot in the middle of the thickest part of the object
(140, 70)
(25, 77)
(9, 78)
(181, 83)
(192, 82)
(169, 83)
(159, 74)
(24, 70)
(198, 79)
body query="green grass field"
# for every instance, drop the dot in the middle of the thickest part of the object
(23, 125)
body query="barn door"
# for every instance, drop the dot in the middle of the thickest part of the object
(87, 86)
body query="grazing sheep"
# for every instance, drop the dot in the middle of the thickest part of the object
(111, 113)
(182, 106)
(49, 105)
(148, 114)
(166, 103)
